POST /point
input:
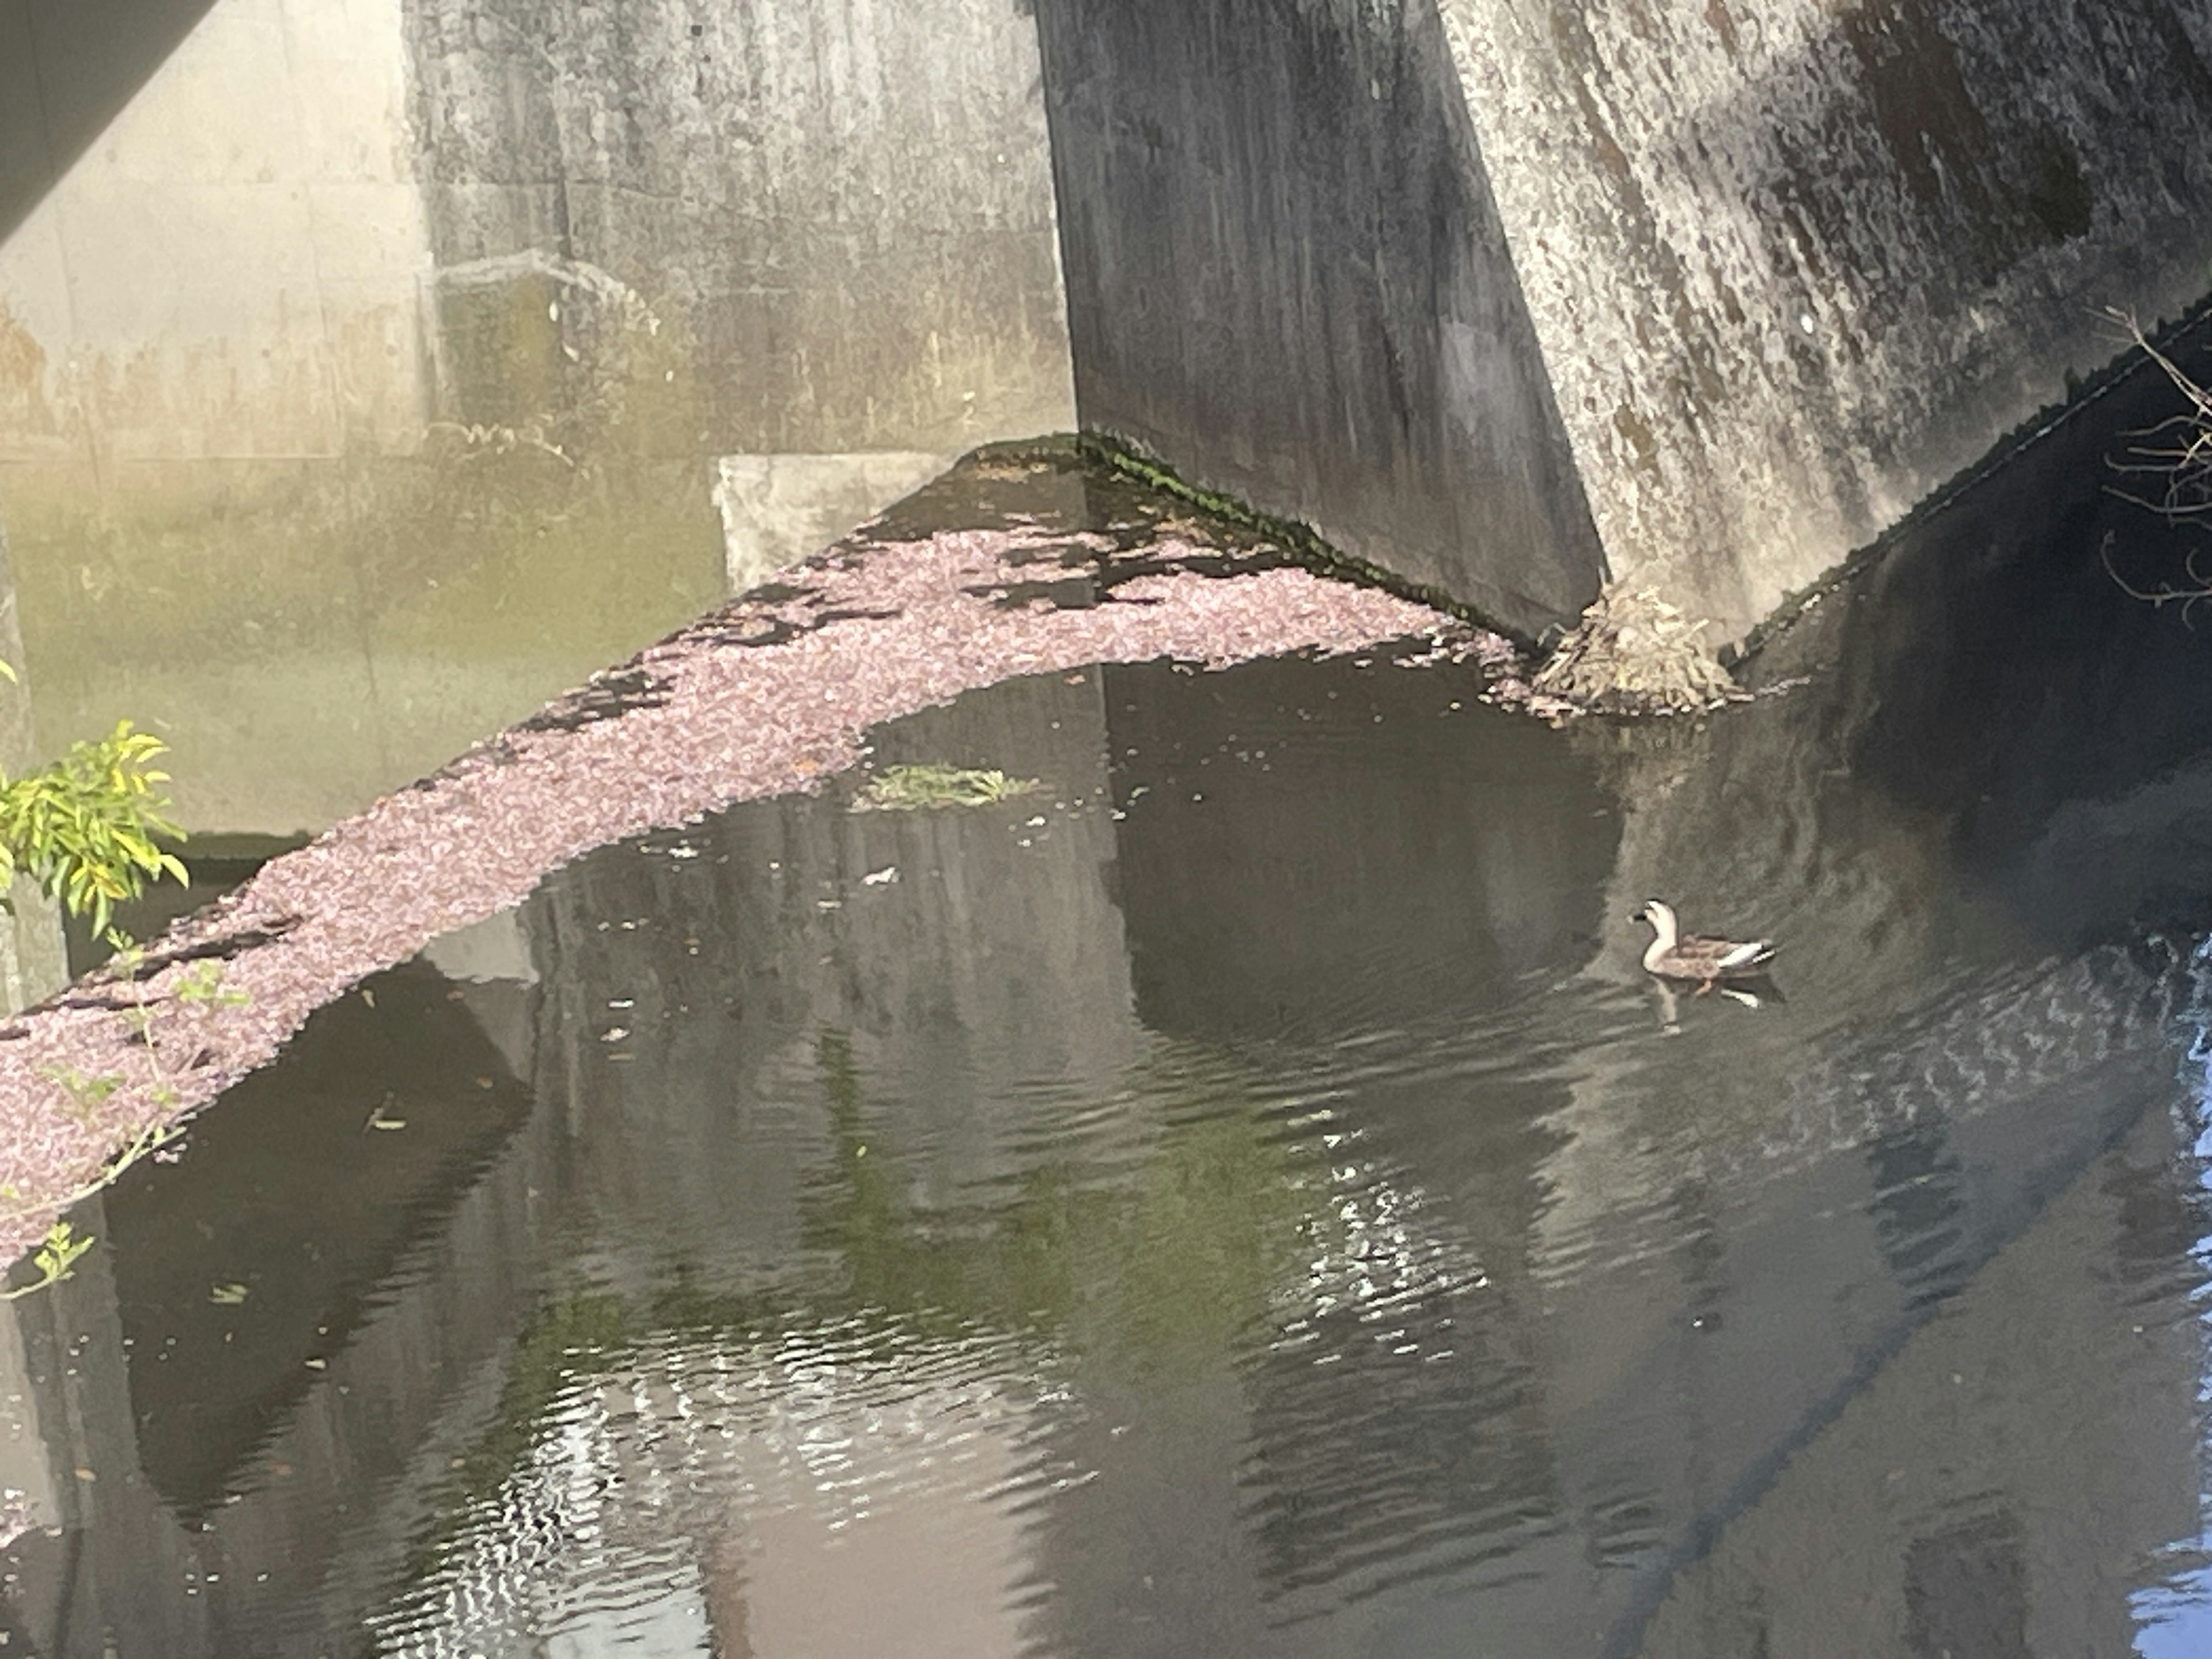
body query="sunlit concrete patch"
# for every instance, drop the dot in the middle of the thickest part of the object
(232, 269)
(490, 964)
(495, 949)
(776, 509)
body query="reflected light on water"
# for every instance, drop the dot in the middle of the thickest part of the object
(808, 1491)
(2174, 1616)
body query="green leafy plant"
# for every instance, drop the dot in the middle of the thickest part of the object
(149, 1141)
(87, 1095)
(913, 788)
(202, 982)
(60, 1252)
(84, 827)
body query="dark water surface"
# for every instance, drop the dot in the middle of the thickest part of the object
(1242, 1199)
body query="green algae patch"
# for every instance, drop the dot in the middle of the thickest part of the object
(924, 788)
(1300, 543)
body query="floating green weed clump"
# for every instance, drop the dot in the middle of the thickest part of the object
(914, 788)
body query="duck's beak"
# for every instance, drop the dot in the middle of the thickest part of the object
(1637, 915)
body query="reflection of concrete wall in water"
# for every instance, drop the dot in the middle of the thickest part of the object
(1912, 825)
(1780, 269)
(1696, 1250)
(1279, 873)
(333, 1402)
(1950, 1507)
(1996, 754)
(368, 379)
(729, 1497)
(985, 983)
(377, 1344)
(1710, 1326)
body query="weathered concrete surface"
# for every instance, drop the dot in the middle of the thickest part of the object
(33, 958)
(777, 509)
(369, 380)
(1797, 264)
(1286, 275)
(845, 209)
(1781, 271)
(66, 68)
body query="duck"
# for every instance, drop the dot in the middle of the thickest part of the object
(1697, 958)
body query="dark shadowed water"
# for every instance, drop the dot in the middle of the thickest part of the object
(1242, 1198)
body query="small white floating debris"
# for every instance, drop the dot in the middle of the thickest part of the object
(614, 1034)
(1036, 822)
(226, 1296)
(883, 878)
(622, 1002)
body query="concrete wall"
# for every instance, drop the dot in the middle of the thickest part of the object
(33, 955)
(843, 211)
(1794, 265)
(1287, 276)
(370, 337)
(1777, 271)
(66, 70)
(373, 375)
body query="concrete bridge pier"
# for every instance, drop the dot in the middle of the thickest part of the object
(1507, 297)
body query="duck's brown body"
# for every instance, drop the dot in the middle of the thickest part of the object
(1700, 959)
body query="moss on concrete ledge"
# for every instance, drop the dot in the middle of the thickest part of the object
(1632, 654)
(1302, 543)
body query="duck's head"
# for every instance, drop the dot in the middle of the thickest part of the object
(1657, 915)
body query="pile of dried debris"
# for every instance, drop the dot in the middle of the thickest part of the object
(1634, 653)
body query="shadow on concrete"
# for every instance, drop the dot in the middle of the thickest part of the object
(67, 69)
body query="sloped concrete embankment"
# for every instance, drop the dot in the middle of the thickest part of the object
(1506, 299)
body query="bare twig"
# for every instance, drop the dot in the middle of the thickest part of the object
(2184, 460)
(2176, 453)
(2165, 593)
